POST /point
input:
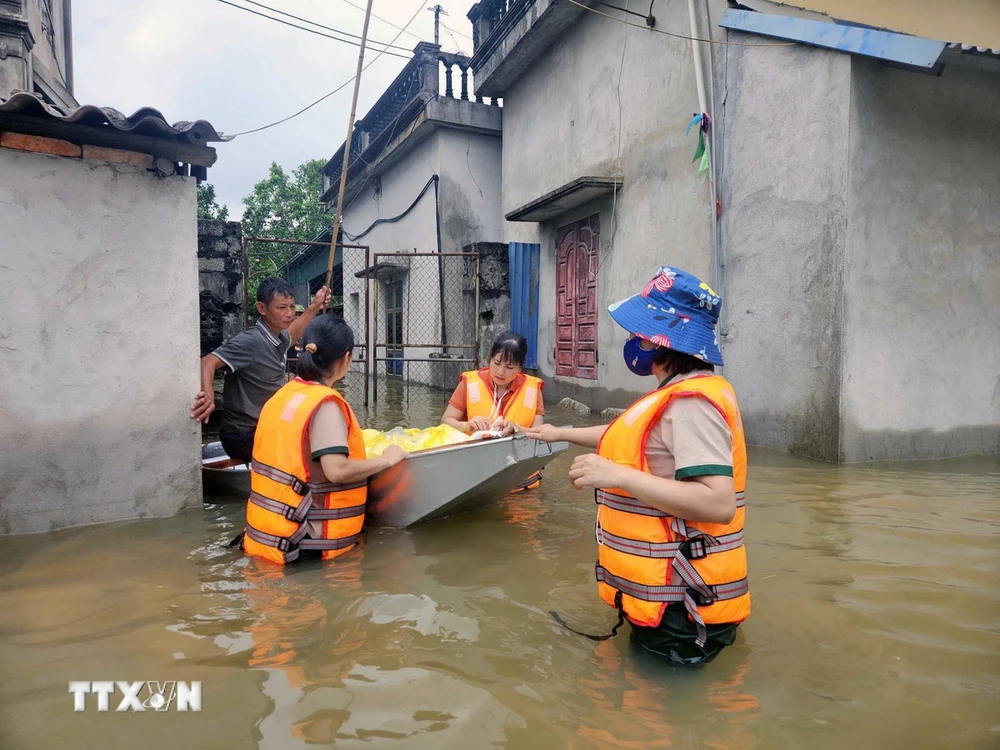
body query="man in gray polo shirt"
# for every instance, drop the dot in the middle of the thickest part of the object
(255, 365)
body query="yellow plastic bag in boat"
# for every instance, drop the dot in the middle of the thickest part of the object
(412, 439)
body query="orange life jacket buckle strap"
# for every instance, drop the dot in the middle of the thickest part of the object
(627, 504)
(336, 514)
(281, 543)
(329, 487)
(282, 477)
(693, 549)
(329, 544)
(671, 592)
(297, 514)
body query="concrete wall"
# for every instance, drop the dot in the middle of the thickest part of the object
(52, 64)
(862, 255)
(220, 282)
(561, 122)
(468, 165)
(37, 63)
(221, 296)
(98, 322)
(784, 233)
(921, 351)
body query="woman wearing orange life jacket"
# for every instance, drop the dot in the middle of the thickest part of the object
(309, 474)
(500, 396)
(669, 476)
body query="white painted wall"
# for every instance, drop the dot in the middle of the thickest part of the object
(921, 350)
(561, 122)
(99, 335)
(468, 165)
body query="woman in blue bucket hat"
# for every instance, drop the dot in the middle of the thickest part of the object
(669, 476)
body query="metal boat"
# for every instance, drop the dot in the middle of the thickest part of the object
(439, 482)
(221, 474)
(429, 484)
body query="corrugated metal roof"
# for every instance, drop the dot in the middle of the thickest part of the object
(971, 48)
(145, 121)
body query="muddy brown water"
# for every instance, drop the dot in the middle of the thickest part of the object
(876, 604)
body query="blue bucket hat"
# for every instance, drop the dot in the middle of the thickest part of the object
(675, 310)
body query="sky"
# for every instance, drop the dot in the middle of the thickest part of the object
(205, 60)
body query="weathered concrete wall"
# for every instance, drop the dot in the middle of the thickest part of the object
(862, 255)
(921, 349)
(494, 293)
(220, 282)
(561, 122)
(467, 214)
(221, 296)
(470, 212)
(98, 322)
(784, 232)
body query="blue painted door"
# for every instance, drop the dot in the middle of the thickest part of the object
(523, 277)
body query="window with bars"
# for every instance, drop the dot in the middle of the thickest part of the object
(394, 327)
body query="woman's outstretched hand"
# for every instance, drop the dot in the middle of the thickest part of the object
(547, 433)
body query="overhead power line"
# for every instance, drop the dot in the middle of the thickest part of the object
(311, 31)
(455, 31)
(314, 23)
(385, 20)
(718, 42)
(341, 86)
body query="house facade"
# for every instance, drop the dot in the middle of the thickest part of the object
(843, 211)
(36, 50)
(423, 184)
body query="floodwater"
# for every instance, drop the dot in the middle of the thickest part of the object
(875, 625)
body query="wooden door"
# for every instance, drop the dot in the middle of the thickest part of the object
(577, 249)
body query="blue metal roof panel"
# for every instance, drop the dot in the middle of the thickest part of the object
(882, 45)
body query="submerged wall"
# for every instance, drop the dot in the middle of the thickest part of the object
(921, 348)
(862, 254)
(98, 332)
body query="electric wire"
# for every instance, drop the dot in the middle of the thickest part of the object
(339, 88)
(311, 31)
(320, 25)
(682, 36)
(384, 20)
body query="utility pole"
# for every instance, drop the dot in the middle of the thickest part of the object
(338, 218)
(438, 11)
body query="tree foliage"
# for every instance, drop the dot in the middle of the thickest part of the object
(208, 206)
(284, 206)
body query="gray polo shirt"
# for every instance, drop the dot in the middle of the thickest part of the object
(255, 359)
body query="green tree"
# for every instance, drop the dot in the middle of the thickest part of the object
(285, 207)
(208, 207)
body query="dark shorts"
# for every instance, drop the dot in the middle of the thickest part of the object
(238, 445)
(674, 638)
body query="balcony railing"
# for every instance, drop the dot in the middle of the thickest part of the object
(418, 82)
(491, 20)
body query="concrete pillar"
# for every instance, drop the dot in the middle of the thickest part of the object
(221, 293)
(16, 43)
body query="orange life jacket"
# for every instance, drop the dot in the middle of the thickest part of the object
(520, 407)
(287, 487)
(647, 558)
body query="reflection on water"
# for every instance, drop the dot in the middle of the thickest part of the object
(875, 625)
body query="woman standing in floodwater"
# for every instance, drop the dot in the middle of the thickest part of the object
(309, 474)
(669, 476)
(500, 396)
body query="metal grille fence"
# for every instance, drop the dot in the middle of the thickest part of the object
(424, 325)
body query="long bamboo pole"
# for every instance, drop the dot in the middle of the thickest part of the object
(337, 220)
